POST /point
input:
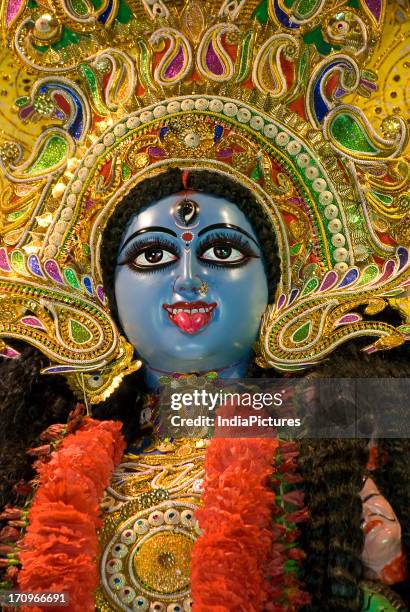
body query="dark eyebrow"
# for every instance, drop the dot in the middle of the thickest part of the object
(227, 226)
(154, 228)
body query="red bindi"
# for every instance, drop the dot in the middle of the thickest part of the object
(187, 236)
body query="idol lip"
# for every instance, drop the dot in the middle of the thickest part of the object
(190, 307)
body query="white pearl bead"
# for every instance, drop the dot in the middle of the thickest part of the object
(331, 211)
(334, 226)
(159, 111)
(116, 581)
(192, 140)
(76, 186)
(89, 161)
(99, 148)
(172, 516)
(141, 526)
(128, 536)
(113, 566)
(109, 139)
(140, 604)
(83, 173)
(127, 594)
(294, 147)
(201, 104)
(341, 267)
(340, 254)
(156, 518)
(282, 139)
(61, 227)
(71, 200)
(244, 115)
(133, 122)
(256, 123)
(326, 197)
(338, 240)
(216, 106)
(66, 213)
(270, 130)
(119, 551)
(302, 160)
(146, 116)
(120, 130)
(230, 109)
(319, 184)
(312, 172)
(174, 106)
(187, 518)
(187, 104)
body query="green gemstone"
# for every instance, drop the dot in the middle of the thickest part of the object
(124, 14)
(80, 7)
(71, 278)
(79, 332)
(304, 7)
(310, 286)
(261, 12)
(67, 38)
(18, 263)
(16, 215)
(386, 199)
(54, 151)
(350, 134)
(302, 332)
(126, 172)
(256, 173)
(368, 274)
(294, 250)
(22, 101)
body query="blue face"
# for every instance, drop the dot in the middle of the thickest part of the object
(190, 284)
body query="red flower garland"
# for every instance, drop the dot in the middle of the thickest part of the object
(60, 546)
(229, 559)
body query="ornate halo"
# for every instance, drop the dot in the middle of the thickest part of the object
(206, 93)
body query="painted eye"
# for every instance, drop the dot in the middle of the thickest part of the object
(154, 256)
(223, 253)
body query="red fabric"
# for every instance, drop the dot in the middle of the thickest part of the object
(60, 545)
(229, 558)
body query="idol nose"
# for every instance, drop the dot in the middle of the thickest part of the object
(189, 284)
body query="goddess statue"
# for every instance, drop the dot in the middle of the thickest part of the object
(190, 197)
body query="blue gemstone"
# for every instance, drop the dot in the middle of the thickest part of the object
(218, 132)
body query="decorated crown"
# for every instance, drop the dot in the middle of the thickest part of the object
(278, 94)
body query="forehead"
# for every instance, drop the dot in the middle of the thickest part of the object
(211, 210)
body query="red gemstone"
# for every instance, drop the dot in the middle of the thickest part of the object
(187, 236)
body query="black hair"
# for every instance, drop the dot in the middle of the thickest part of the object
(333, 476)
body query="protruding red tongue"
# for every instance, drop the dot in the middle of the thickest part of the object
(190, 324)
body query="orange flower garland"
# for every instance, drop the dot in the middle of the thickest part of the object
(59, 549)
(229, 559)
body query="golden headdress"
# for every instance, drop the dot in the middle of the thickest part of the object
(282, 95)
